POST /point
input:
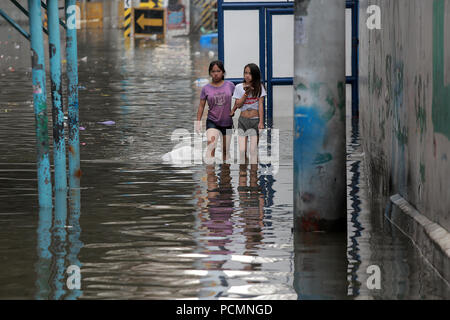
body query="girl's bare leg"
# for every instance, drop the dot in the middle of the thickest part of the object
(226, 141)
(242, 150)
(212, 136)
(254, 149)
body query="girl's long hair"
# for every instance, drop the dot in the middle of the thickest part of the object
(219, 64)
(256, 79)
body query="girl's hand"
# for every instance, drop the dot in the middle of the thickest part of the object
(198, 127)
(261, 126)
(232, 113)
(248, 88)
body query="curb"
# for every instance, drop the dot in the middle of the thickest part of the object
(431, 239)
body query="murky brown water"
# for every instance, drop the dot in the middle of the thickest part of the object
(153, 230)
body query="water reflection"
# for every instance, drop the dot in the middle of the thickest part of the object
(57, 249)
(58, 246)
(217, 220)
(43, 264)
(251, 201)
(238, 258)
(320, 266)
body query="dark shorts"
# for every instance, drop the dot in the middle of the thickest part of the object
(248, 127)
(212, 125)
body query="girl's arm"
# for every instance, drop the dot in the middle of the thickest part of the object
(201, 108)
(240, 102)
(233, 110)
(261, 113)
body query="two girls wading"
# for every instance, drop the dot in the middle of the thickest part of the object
(249, 97)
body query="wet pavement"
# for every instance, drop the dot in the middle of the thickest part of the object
(149, 229)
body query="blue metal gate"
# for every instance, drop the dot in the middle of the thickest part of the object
(266, 11)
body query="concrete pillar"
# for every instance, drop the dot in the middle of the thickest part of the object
(319, 115)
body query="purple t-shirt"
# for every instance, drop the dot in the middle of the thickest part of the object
(219, 102)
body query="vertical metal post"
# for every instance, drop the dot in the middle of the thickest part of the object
(72, 88)
(74, 243)
(127, 18)
(40, 104)
(355, 58)
(59, 148)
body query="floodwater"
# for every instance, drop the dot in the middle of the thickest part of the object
(149, 229)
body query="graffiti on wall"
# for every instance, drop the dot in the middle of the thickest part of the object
(441, 90)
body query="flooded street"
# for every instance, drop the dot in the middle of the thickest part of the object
(149, 229)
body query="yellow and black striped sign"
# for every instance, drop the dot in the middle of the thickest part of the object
(207, 14)
(127, 18)
(151, 4)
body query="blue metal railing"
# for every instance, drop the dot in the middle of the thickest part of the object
(39, 97)
(265, 10)
(354, 78)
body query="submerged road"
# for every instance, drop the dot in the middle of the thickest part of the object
(151, 229)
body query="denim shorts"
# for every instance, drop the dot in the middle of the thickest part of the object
(248, 127)
(212, 125)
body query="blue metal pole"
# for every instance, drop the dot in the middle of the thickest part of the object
(14, 24)
(45, 7)
(72, 75)
(220, 30)
(74, 143)
(40, 104)
(26, 13)
(59, 148)
(355, 58)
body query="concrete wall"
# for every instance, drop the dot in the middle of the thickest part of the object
(405, 103)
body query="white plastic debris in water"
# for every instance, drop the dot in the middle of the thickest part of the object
(211, 54)
(108, 123)
(197, 53)
(84, 59)
(181, 155)
(201, 82)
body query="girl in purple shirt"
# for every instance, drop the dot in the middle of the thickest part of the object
(218, 93)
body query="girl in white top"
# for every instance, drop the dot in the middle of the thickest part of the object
(249, 97)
